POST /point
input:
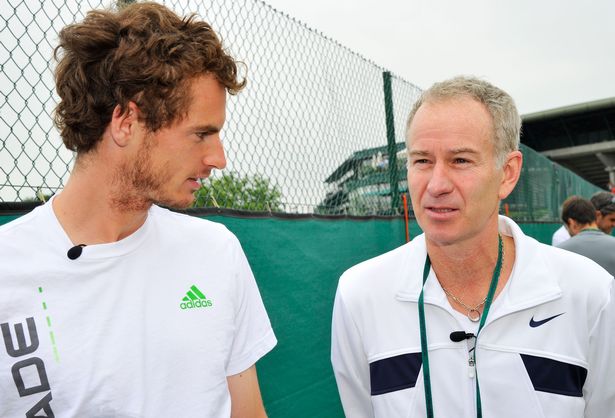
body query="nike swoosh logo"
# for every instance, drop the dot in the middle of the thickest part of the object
(535, 324)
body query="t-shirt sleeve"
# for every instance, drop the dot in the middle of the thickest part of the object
(253, 336)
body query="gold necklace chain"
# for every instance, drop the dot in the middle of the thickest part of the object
(473, 312)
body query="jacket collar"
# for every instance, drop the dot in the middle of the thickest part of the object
(530, 283)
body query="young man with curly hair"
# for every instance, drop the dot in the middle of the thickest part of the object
(150, 313)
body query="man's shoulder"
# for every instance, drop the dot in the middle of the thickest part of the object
(607, 239)
(574, 271)
(560, 235)
(387, 270)
(545, 271)
(588, 239)
(23, 226)
(171, 220)
(24, 237)
(562, 258)
(189, 229)
(569, 243)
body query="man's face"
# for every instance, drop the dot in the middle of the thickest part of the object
(169, 163)
(605, 222)
(454, 184)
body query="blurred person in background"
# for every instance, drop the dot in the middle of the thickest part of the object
(560, 235)
(587, 239)
(604, 202)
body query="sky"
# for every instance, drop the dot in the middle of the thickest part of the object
(546, 53)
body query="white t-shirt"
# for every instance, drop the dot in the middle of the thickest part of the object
(149, 326)
(560, 236)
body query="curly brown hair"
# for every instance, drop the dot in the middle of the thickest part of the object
(143, 53)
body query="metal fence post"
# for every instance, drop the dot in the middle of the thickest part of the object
(392, 148)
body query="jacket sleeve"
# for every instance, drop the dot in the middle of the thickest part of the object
(599, 390)
(349, 362)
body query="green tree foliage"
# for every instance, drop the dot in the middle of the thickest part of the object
(236, 192)
(120, 4)
(39, 196)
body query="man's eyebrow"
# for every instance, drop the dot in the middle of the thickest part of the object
(419, 153)
(453, 151)
(463, 150)
(212, 129)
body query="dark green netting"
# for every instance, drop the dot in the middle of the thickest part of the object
(542, 188)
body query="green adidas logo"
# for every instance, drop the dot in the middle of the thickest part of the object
(195, 299)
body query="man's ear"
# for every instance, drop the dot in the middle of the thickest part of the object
(124, 124)
(566, 226)
(512, 171)
(573, 227)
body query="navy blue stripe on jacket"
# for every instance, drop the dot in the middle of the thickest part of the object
(554, 376)
(394, 373)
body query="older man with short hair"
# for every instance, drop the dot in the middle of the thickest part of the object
(472, 318)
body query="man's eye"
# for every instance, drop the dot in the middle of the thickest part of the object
(460, 161)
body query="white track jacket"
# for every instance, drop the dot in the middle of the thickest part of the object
(544, 351)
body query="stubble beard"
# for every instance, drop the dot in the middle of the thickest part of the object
(139, 184)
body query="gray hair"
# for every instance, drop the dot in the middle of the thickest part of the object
(499, 104)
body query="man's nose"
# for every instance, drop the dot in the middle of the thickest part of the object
(214, 154)
(440, 180)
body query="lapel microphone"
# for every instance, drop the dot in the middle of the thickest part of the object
(456, 336)
(75, 252)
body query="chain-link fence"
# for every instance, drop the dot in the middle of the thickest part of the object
(310, 104)
(319, 129)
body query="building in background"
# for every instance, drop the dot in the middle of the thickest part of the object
(579, 137)
(361, 185)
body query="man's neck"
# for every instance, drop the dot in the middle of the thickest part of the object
(85, 210)
(590, 227)
(466, 269)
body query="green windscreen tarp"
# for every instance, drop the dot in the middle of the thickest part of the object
(297, 262)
